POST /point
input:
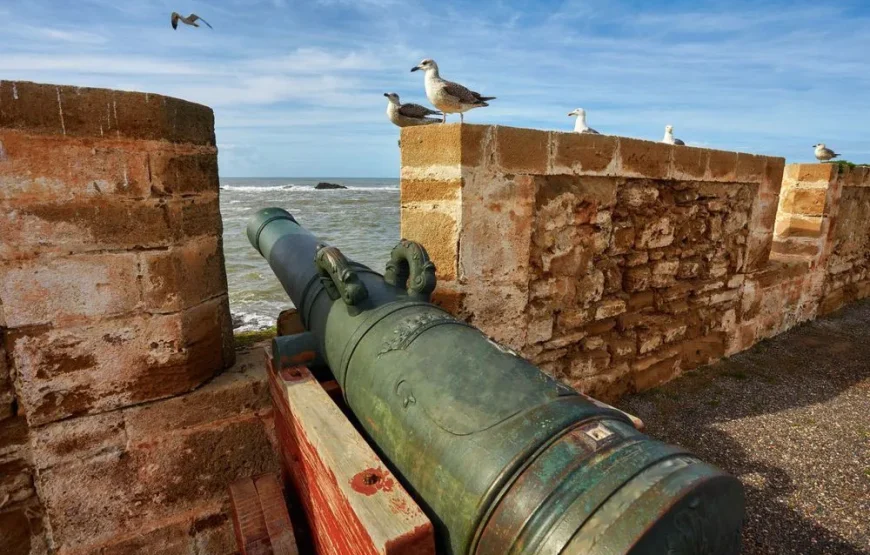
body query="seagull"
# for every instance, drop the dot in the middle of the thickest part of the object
(580, 125)
(189, 20)
(669, 136)
(447, 96)
(823, 153)
(406, 115)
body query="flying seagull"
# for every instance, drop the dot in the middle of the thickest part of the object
(669, 136)
(406, 115)
(447, 96)
(823, 153)
(580, 125)
(189, 20)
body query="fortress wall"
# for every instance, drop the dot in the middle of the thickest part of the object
(615, 263)
(114, 322)
(847, 245)
(820, 255)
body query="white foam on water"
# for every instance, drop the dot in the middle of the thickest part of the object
(363, 221)
(255, 188)
(244, 321)
(291, 187)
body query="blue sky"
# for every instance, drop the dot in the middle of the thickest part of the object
(297, 86)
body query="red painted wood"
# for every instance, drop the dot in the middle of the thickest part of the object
(260, 519)
(336, 526)
(252, 537)
(275, 515)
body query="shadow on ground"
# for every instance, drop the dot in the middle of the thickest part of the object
(790, 418)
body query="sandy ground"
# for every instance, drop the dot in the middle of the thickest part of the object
(790, 418)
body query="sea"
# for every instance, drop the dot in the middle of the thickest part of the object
(362, 221)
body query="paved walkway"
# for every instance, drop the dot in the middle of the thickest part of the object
(791, 418)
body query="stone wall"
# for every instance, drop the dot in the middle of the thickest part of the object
(847, 248)
(113, 306)
(614, 263)
(820, 255)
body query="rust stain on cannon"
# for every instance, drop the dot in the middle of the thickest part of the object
(300, 358)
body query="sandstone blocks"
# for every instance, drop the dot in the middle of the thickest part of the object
(113, 295)
(109, 214)
(612, 262)
(155, 476)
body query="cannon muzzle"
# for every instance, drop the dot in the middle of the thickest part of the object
(503, 458)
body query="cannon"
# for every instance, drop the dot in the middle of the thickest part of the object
(503, 458)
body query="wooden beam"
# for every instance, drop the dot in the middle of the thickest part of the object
(260, 519)
(354, 505)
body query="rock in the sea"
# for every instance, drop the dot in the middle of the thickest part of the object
(325, 185)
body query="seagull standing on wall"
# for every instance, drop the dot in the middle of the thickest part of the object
(447, 96)
(580, 125)
(406, 115)
(669, 136)
(189, 20)
(823, 153)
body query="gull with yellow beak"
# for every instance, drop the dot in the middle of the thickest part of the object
(447, 96)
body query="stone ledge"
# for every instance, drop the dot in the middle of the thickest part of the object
(542, 152)
(822, 173)
(855, 177)
(98, 113)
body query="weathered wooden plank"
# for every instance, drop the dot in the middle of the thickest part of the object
(275, 515)
(333, 390)
(260, 518)
(353, 504)
(252, 537)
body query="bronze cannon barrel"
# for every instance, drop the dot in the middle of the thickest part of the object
(502, 457)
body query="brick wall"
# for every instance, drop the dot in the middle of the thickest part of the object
(113, 296)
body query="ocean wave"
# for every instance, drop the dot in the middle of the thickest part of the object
(246, 321)
(291, 187)
(355, 188)
(259, 188)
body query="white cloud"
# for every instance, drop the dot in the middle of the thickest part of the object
(102, 64)
(319, 60)
(60, 35)
(310, 76)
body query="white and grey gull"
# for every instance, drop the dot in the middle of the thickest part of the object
(447, 96)
(189, 20)
(580, 125)
(824, 153)
(406, 115)
(669, 136)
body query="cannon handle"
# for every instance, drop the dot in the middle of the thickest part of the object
(410, 268)
(339, 279)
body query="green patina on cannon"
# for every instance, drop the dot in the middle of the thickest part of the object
(504, 459)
